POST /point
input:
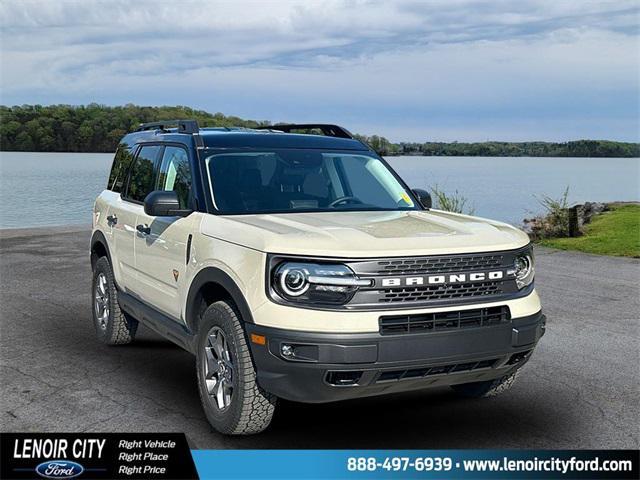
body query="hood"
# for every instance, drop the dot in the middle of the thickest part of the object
(365, 234)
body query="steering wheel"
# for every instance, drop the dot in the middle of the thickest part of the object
(345, 199)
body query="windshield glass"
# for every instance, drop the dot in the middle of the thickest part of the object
(303, 180)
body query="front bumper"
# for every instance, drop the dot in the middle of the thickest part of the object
(330, 367)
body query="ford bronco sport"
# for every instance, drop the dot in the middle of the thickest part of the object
(301, 266)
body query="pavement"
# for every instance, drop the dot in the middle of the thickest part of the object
(580, 390)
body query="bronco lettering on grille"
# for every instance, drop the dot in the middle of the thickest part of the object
(442, 279)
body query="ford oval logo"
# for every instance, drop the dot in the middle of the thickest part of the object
(59, 469)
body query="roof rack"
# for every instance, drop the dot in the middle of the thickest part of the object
(184, 126)
(326, 129)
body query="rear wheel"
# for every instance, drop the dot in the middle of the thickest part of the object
(113, 326)
(490, 388)
(233, 401)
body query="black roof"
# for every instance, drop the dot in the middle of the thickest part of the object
(263, 137)
(273, 139)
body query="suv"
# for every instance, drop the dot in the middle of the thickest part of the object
(301, 266)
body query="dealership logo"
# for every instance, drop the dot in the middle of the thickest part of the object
(451, 278)
(59, 469)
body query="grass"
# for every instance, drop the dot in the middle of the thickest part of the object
(616, 232)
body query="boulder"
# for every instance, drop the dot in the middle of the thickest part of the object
(588, 210)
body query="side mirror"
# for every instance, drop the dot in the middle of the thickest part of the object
(161, 203)
(423, 196)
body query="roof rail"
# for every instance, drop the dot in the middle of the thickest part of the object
(326, 129)
(184, 126)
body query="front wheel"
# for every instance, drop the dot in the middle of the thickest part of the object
(232, 400)
(490, 388)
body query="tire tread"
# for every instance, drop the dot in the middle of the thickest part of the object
(257, 406)
(122, 327)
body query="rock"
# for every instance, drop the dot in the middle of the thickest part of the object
(547, 226)
(588, 210)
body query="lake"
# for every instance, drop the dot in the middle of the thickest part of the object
(42, 189)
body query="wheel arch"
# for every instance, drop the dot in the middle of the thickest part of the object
(99, 248)
(209, 285)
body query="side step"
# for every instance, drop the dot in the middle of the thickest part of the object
(158, 322)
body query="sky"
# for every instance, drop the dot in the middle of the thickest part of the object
(441, 70)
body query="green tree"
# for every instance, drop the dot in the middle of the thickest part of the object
(98, 128)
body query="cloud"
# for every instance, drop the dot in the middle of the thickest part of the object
(407, 69)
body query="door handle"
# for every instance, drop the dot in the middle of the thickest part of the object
(112, 219)
(145, 230)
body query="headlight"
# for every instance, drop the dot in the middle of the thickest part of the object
(524, 269)
(315, 282)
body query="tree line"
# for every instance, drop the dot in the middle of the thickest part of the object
(577, 148)
(90, 128)
(98, 128)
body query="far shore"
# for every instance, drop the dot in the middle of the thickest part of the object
(113, 122)
(406, 154)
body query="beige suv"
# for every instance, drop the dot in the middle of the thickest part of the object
(300, 266)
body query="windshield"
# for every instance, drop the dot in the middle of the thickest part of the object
(283, 181)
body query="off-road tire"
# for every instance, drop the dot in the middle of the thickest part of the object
(490, 388)
(251, 408)
(120, 327)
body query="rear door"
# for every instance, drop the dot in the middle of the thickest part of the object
(128, 208)
(161, 254)
(109, 202)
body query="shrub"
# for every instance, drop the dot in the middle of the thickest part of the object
(555, 220)
(451, 202)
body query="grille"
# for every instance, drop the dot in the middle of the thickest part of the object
(393, 288)
(455, 263)
(431, 322)
(395, 375)
(440, 292)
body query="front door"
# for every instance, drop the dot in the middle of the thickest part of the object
(161, 254)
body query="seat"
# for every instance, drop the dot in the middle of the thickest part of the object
(254, 195)
(315, 185)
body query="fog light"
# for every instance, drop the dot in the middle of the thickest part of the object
(287, 350)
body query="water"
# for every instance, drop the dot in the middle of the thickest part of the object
(505, 188)
(40, 189)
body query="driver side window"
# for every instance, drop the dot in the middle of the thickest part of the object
(175, 174)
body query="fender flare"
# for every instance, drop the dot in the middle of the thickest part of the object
(98, 237)
(217, 276)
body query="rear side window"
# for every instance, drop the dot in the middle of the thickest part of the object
(175, 174)
(141, 178)
(120, 167)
